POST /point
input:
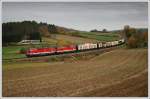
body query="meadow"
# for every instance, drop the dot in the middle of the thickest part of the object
(100, 36)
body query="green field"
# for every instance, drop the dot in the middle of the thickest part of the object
(100, 36)
(11, 52)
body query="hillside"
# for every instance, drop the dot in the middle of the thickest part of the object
(99, 76)
(64, 30)
(69, 39)
(14, 32)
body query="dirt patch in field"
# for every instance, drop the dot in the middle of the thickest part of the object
(136, 86)
(117, 73)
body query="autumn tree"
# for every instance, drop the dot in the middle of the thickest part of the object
(132, 42)
(43, 29)
(125, 32)
(135, 38)
(145, 38)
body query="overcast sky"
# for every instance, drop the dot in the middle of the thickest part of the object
(80, 16)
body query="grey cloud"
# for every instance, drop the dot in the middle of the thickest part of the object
(82, 16)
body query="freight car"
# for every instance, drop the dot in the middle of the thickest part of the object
(86, 46)
(72, 48)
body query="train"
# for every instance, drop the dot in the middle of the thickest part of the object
(71, 48)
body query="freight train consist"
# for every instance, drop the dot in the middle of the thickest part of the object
(72, 48)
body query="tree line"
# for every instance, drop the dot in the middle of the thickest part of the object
(30, 30)
(135, 38)
(103, 31)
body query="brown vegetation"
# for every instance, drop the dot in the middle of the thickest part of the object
(44, 31)
(135, 38)
(132, 42)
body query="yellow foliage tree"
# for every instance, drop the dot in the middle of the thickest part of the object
(145, 36)
(44, 31)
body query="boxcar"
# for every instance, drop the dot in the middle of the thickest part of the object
(100, 45)
(121, 41)
(87, 46)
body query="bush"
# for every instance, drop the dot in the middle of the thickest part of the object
(132, 42)
(135, 38)
(23, 50)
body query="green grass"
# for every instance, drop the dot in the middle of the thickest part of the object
(100, 36)
(11, 52)
(96, 35)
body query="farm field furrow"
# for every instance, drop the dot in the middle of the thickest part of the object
(122, 72)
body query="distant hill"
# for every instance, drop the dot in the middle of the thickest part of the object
(142, 29)
(138, 29)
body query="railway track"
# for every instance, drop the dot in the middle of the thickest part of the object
(79, 53)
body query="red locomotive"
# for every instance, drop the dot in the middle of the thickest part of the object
(40, 51)
(48, 51)
(66, 49)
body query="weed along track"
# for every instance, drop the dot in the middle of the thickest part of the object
(116, 73)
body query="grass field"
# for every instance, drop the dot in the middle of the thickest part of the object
(122, 72)
(100, 36)
(75, 40)
(84, 37)
(11, 52)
